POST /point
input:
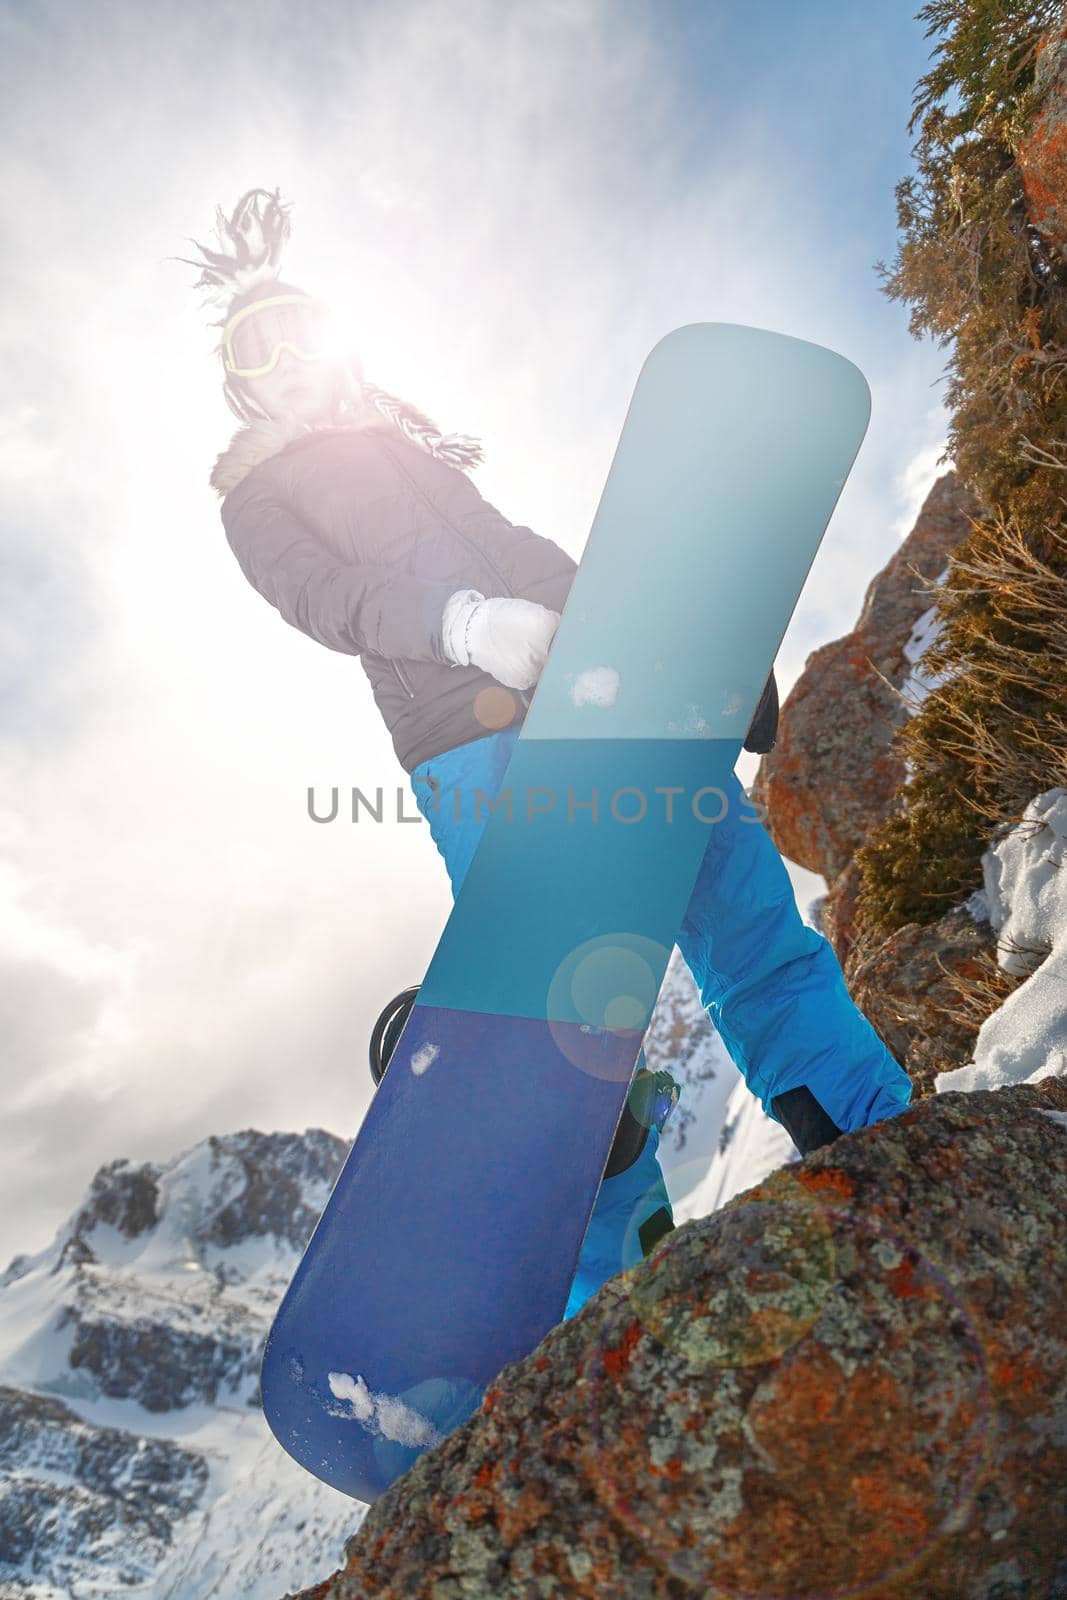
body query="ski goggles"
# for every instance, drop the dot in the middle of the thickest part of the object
(255, 336)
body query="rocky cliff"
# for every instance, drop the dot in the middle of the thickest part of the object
(835, 774)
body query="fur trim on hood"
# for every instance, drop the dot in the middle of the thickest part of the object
(257, 440)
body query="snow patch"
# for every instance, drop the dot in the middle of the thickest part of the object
(695, 722)
(1025, 1039)
(924, 634)
(344, 1387)
(596, 686)
(382, 1413)
(919, 684)
(976, 906)
(424, 1057)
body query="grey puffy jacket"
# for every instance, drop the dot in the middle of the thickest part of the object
(358, 537)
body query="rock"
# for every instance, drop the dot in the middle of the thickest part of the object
(142, 1356)
(131, 1492)
(832, 774)
(837, 911)
(831, 770)
(851, 1379)
(904, 986)
(1042, 153)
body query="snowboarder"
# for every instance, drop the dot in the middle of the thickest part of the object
(353, 515)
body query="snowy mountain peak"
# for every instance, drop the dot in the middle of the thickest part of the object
(193, 1211)
(161, 1286)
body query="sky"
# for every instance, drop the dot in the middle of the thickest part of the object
(510, 203)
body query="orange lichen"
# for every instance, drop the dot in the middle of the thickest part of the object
(516, 1518)
(889, 1500)
(903, 1282)
(1015, 1372)
(832, 1182)
(616, 1361)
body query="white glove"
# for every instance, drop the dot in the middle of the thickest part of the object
(508, 638)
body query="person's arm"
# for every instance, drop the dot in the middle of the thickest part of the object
(538, 569)
(349, 606)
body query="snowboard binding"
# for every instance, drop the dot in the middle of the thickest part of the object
(652, 1098)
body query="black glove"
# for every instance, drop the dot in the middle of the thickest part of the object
(763, 729)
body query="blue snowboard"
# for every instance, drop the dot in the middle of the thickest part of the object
(448, 1246)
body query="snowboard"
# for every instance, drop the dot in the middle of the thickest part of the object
(449, 1243)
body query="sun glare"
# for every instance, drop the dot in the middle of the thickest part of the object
(341, 333)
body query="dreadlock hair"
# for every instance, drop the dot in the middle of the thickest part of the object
(249, 271)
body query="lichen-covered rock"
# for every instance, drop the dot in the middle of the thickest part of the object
(1042, 154)
(850, 1380)
(832, 774)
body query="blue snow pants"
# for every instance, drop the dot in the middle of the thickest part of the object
(772, 986)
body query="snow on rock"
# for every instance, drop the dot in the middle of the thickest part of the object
(161, 1287)
(1025, 889)
(250, 1535)
(918, 683)
(976, 906)
(596, 686)
(920, 680)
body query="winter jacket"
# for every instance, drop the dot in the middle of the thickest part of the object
(358, 537)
